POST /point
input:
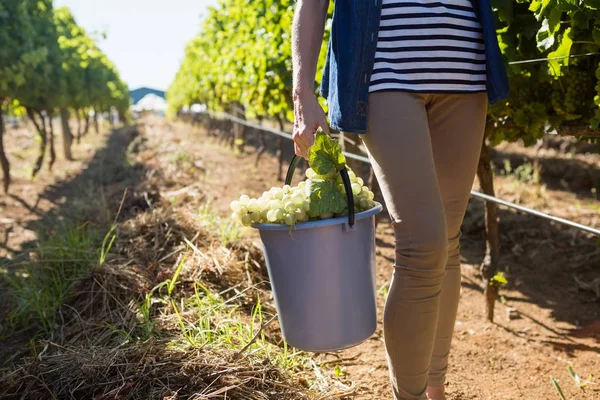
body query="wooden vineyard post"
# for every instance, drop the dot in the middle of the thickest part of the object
(3, 158)
(66, 133)
(489, 267)
(262, 145)
(239, 129)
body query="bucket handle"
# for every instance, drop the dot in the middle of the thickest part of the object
(345, 180)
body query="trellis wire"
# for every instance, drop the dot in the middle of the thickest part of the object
(474, 193)
(534, 60)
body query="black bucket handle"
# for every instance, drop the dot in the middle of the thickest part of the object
(345, 180)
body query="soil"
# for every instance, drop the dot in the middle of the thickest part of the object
(548, 265)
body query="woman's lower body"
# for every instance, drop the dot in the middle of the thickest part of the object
(424, 149)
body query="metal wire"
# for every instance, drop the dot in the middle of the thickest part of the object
(474, 193)
(534, 60)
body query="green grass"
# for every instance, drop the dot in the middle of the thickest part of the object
(524, 173)
(41, 285)
(188, 314)
(228, 230)
(206, 318)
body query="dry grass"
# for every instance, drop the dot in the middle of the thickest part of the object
(167, 315)
(173, 308)
(149, 370)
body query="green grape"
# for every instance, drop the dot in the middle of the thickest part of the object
(301, 216)
(289, 219)
(253, 205)
(280, 213)
(246, 220)
(290, 206)
(298, 199)
(363, 203)
(275, 204)
(244, 199)
(235, 206)
(256, 216)
(326, 215)
(352, 176)
(272, 215)
(306, 205)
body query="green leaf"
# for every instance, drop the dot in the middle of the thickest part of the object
(325, 197)
(325, 155)
(558, 388)
(554, 19)
(596, 34)
(498, 280)
(539, 7)
(581, 20)
(504, 9)
(545, 38)
(563, 50)
(576, 377)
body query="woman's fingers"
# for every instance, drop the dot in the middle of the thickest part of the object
(303, 139)
(308, 117)
(323, 123)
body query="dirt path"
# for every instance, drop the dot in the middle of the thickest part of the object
(559, 324)
(507, 360)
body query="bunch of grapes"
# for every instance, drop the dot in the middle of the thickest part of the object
(575, 93)
(288, 205)
(578, 90)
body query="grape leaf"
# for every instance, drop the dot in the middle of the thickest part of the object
(325, 197)
(325, 155)
(564, 50)
(581, 19)
(504, 9)
(545, 38)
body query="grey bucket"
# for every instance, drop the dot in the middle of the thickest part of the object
(323, 278)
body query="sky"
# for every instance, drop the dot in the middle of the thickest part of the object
(144, 38)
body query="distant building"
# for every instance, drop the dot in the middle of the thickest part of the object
(148, 100)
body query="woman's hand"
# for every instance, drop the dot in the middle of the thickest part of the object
(307, 37)
(308, 117)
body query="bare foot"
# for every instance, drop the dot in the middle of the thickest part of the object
(436, 392)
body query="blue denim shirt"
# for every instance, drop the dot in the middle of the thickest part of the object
(351, 54)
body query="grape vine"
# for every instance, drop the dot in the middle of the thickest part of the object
(50, 66)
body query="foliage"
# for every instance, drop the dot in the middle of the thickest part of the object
(561, 88)
(49, 63)
(242, 55)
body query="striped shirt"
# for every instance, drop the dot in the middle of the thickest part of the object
(433, 46)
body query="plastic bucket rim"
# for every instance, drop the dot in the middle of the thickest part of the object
(320, 223)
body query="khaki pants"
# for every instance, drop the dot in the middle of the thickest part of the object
(424, 149)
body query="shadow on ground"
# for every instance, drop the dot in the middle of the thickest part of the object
(542, 261)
